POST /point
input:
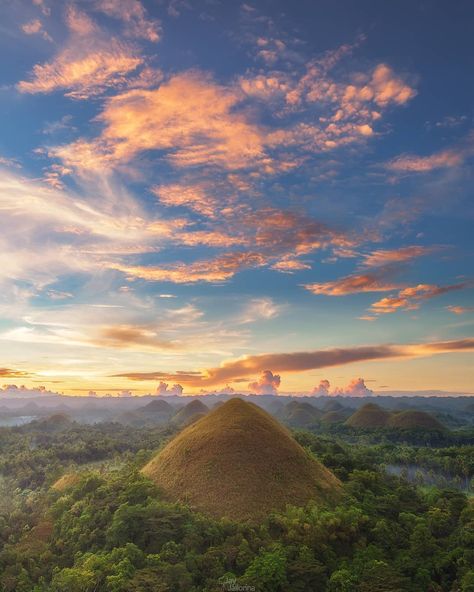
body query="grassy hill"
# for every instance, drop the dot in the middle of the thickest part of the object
(240, 462)
(369, 416)
(189, 412)
(299, 414)
(414, 419)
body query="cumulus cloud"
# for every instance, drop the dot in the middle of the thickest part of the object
(322, 390)
(267, 384)
(10, 390)
(164, 390)
(356, 388)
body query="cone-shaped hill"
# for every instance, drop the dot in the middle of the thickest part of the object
(299, 414)
(369, 416)
(190, 412)
(239, 462)
(414, 419)
(335, 416)
(158, 406)
(332, 406)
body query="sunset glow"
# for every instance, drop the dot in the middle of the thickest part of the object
(265, 197)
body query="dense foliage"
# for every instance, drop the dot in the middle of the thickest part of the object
(113, 532)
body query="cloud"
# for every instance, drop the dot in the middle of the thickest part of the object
(290, 265)
(410, 163)
(190, 118)
(126, 336)
(239, 368)
(267, 384)
(90, 63)
(163, 391)
(356, 388)
(35, 27)
(410, 298)
(134, 16)
(322, 390)
(23, 391)
(258, 309)
(195, 197)
(215, 270)
(9, 373)
(448, 158)
(354, 284)
(383, 257)
(459, 310)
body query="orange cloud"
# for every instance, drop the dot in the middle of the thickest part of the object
(411, 297)
(290, 265)
(236, 370)
(459, 310)
(354, 284)
(9, 373)
(384, 257)
(194, 197)
(267, 384)
(423, 164)
(126, 336)
(88, 65)
(190, 117)
(134, 16)
(35, 27)
(216, 270)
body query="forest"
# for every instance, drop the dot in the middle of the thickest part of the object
(108, 528)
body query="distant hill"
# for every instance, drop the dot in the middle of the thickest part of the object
(338, 416)
(332, 406)
(299, 414)
(240, 462)
(158, 406)
(370, 416)
(190, 411)
(414, 419)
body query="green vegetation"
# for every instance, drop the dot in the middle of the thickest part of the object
(107, 527)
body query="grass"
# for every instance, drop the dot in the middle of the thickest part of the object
(241, 463)
(369, 416)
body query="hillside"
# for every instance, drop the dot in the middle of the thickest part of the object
(335, 416)
(299, 415)
(414, 419)
(239, 462)
(369, 416)
(189, 412)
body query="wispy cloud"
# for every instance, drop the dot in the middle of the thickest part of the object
(302, 361)
(89, 64)
(410, 298)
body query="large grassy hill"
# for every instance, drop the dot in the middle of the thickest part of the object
(240, 462)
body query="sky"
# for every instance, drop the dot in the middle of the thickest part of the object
(208, 196)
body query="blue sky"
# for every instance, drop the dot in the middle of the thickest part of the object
(194, 193)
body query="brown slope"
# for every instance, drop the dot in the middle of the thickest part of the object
(239, 462)
(414, 419)
(369, 416)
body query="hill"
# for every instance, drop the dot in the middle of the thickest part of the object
(158, 406)
(369, 416)
(239, 462)
(414, 419)
(332, 406)
(299, 415)
(335, 416)
(189, 412)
